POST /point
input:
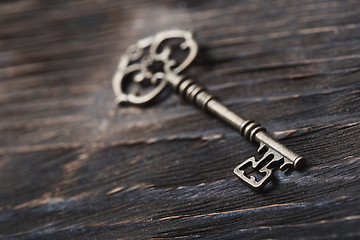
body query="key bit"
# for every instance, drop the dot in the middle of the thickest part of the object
(151, 60)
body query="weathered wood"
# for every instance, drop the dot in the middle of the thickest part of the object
(73, 166)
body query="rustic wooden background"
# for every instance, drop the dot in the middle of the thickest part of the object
(73, 166)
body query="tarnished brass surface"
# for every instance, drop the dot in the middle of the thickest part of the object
(152, 62)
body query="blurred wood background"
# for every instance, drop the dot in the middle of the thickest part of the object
(73, 166)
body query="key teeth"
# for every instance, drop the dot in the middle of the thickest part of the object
(287, 163)
(251, 180)
(267, 168)
(261, 147)
(276, 157)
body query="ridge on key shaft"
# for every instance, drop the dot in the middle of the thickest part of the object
(151, 62)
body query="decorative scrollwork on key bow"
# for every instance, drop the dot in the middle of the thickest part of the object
(146, 63)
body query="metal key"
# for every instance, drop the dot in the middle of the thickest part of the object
(151, 62)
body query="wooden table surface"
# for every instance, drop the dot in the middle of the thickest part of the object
(74, 166)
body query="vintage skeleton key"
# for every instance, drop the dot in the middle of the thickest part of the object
(151, 62)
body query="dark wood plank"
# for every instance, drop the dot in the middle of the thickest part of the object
(73, 166)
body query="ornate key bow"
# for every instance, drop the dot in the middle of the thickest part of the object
(153, 63)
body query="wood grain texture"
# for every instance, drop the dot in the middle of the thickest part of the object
(73, 166)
